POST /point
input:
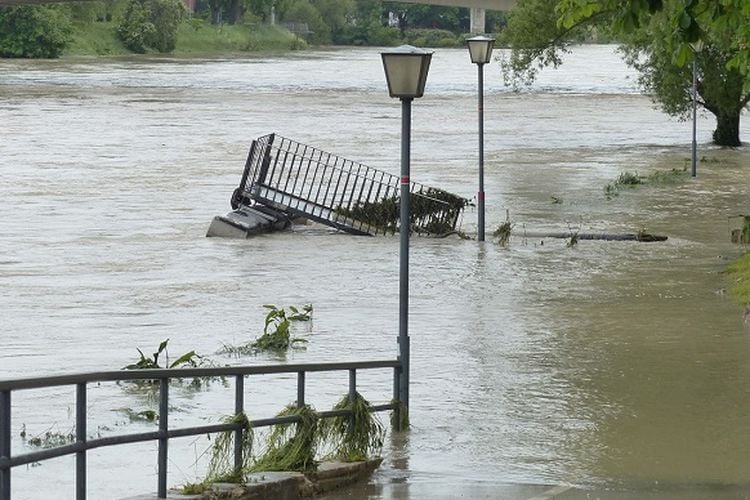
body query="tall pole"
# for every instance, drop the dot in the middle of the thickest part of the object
(404, 229)
(480, 194)
(694, 157)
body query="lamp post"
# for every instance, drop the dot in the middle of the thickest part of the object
(480, 50)
(697, 48)
(406, 70)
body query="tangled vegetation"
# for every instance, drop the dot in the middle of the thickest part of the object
(354, 438)
(291, 447)
(502, 233)
(277, 337)
(632, 179)
(738, 277)
(432, 211)
(294, 446)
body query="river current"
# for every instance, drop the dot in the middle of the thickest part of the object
(615, 364)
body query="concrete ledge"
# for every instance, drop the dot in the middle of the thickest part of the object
(284, 485)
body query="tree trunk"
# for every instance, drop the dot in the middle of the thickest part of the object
(727, 131)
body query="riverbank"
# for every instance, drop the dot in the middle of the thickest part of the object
(194, 37)
(738, 277)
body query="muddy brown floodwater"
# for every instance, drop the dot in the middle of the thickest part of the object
(606, 364)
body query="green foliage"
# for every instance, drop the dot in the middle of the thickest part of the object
(194, 488)
(423, 37)
(151, 24)
(291, 447)
(191, 359)
(201, 37)
(95, 38)
(140, 416)
(656, 39)
(432, 211)
(307, 13)
(632, 179)
(503, 232)
(276, 336)
(357, 437)
(50, 438)
(738, 277)
(34, 31)
(221, 467)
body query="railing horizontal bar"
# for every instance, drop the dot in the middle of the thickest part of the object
(122, 375)
(38, 456)
(206, 429)
(123, 439)
(72, 448)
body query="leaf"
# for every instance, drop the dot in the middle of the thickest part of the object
(186, 358)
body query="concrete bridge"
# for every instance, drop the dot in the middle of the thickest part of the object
(477, 9)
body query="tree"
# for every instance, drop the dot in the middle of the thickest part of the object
(151, 24)
(540, 30)
(35, 32)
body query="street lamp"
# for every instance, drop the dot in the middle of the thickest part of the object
(406, 70)
(697, 47)
(480, 50)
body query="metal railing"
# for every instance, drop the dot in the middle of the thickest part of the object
(82, 444)
(301, 180)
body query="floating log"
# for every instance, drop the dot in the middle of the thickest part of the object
(642, 237)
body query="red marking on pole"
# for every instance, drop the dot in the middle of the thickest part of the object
(481, 195)
(404, 179)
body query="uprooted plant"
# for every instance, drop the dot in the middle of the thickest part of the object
(277, 335)
(221, 467)
(354, 437)
(189, 359)
(502, 233)
(291, 446)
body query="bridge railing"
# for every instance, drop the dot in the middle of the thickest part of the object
(82, 443)
(309, 182)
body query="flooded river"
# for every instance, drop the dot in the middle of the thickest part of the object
(605, 364)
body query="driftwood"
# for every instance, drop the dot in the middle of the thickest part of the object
(642, 237)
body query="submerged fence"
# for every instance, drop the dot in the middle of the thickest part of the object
(82, 444)
(301, 180)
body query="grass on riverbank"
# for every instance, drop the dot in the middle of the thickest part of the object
(738, 277)
(194, 37)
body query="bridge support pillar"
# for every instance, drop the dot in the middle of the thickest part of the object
(477, 22)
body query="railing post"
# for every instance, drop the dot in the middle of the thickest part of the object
(5, 443)
(239, 408)
(163, 439)
(396, 399)
(81, 439)
(352, 396)
(300, 389)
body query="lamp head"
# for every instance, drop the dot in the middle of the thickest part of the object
(406, 70)
(480, 48)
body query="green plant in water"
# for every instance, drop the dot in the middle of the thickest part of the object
(556, 200)
(354, 437)
(140, 416)
(50, 438)
(191, 359)
(502, 233)
(671, 176)
(628, 179)
(291, 447)
(276, 332)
